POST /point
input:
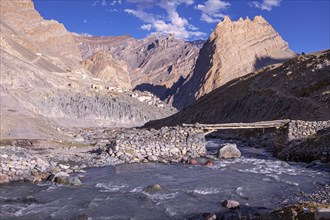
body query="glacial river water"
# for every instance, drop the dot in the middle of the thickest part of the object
(256, 180)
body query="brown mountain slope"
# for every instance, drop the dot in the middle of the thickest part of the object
(297, 89)
(157, 63)
(43, 87)
(105, 67)
(234, 49)
(42, 36)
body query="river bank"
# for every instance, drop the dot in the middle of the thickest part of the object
(107, 161)
(257, 180)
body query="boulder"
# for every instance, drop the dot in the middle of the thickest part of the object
(63, 178)
(68, 181)
(152, 188)
(209, 216)
(209, 163)
(230, 204)
(194, 162)
(228, 151)
(153, 158)
(4, 178)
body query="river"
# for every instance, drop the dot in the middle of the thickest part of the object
(256, 180)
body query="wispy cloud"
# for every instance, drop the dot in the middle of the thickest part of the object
(173, 23)
(146, 27)
(105, 2)
(115, 2)
(212, 10)
(265, 4)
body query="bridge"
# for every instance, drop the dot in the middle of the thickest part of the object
(209, 128)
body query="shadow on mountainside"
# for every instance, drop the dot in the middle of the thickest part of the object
(186, 94)
(299, 90)
(261, 62)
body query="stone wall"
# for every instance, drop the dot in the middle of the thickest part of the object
(17, 163)
(301, 129)
(168, 144)
(304, 141)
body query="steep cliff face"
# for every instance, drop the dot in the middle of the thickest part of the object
(158, 63)
(234, 49)
(299, 89)
(44, 36)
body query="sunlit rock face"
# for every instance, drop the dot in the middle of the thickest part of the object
(234, 49)
(45, 36)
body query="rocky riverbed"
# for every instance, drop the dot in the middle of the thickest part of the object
(21, 164)
(256, 180)
(24, 160)
(235, 163)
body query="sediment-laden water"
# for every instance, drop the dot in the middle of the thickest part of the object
(256, 180)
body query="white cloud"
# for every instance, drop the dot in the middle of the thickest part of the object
(172, 24)
(146, 27)
(211, 10)
(104, 2)
(146, 17)
(115, 2)
(265, 4)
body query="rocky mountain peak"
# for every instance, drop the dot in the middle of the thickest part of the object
(226, 19)
(259, 19)
(234, 49)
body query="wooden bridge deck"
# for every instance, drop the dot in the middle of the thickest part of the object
(254, 125)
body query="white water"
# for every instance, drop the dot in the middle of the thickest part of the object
(256, 180)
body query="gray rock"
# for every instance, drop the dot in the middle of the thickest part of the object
(122, 157)
(79, 139)
(119, 153)
(228, 151)
(230, 204)
(175, 151)
(67, 180)
(209, 216)
(153, 158)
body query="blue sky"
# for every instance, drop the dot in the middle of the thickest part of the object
(303, 24)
